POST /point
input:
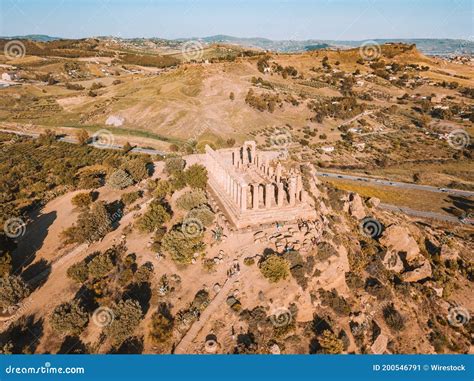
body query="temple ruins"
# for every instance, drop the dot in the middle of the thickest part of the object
(253, 187)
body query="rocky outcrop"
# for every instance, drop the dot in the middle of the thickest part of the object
(356, 206)
(373, 202)
(448, 253)
(398, 239)
(420, 273)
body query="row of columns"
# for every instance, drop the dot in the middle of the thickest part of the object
(239, 191)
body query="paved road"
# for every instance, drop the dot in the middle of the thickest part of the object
(68, 139)
(396, 184)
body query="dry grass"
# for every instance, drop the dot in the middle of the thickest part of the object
(418, 200)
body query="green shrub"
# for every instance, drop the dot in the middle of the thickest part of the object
(174, 164)
(179, 246)
(127, 316)
(119, 179)
(275, 268)
(330, 344)
(12, 291)
(100, 265)
(161, 328)
(78, 272)
(393, 318)
(196, 176)
(69, 319)
(82, 200)
(155, 216)
(130, 198)
(203, 214)
(191, 199)
(91, 225)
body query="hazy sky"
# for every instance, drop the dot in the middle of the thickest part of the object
(275, 19)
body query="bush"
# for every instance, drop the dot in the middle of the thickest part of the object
(161, 328)
(163, 188)
(196, 176)
(336, 302)
(325, 251)
(191, 199)
(144, 273)
(130, 198)
(249, 261)
(174, 164)
(275, 268)
(202, 213)
(393, 318)
(127, 316)
(12, 291)
(69, 318)
(330, 344)
(82, 200)
(119, 179)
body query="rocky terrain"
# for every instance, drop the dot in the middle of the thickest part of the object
(145, 260)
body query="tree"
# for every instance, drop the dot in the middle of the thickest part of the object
(161, 327)
(82, 200)
(191, 199)
(130, 197)
(155, 216)
(138, 168)
(162, 189)
(69, 318)
(196, 176)
(82, 137)
(127, 147)
(231, 96)
(78, 272)
(275, 268)
(12, 291)
(100, 265)
(119, 179)
(180, 246)
(330, 344)
(91, 225)
(127, 316)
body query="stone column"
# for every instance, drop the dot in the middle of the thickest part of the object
(278, 173)
(299, 187)
(271, 171)
(229, 183)
(292, 191)
(268, 195)
(236, 192)
(243, 197)
(255, 196)
(280, 194)
(304, 196)
(253, 151)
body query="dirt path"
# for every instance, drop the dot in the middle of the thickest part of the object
(182, 347)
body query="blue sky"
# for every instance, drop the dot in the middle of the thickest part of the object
(275, 19)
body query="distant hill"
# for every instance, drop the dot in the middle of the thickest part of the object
(428, 46)
(425, 45)
(34, 37)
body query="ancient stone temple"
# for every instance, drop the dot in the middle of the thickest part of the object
(253, 187)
